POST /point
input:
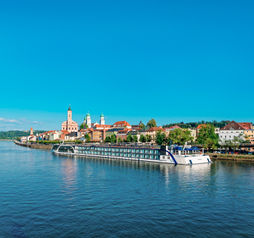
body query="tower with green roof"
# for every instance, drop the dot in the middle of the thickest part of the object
(88, 121)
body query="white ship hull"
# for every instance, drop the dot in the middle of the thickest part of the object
(166, 159)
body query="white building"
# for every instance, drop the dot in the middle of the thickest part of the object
(88, 121)
(55, 135)
(232, 130)
(102, 120)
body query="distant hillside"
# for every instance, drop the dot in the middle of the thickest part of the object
(219, 124)
(15, 134)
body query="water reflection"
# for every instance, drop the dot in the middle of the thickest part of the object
(184, 172)
(69, 170)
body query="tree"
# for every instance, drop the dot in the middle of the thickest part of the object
(135, 138)
(142, 125)
(161, 138)
(151, 123)
(119, 140)
(113, 138)
(148, 138)
(83, 126)
(179, 136)
(207, 137)
(129, 138)
(87, 137)
(142, 138)
(107, 139)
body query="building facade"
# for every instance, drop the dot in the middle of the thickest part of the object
(233, 130)
(70, 125)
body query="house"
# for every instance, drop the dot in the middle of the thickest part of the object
(113, 131)
(193, 133)
(171, 128)
(55, 135)
(153, 131)
(122, 124)
(98, 135)
(71, 136)
(234, 129)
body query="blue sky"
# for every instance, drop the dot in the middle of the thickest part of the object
(132, 60)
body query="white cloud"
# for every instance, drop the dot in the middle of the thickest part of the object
(8, 120)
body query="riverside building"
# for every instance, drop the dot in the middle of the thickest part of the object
(69, 125)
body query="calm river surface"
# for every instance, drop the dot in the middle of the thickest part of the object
(43, 195)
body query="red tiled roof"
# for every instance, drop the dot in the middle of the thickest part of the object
(124, 131)
(173, 127)
(237, 126)
(156, 129)
(245, 125)
(102, 126)
(200, 126)
(65, 132)
(121, 124)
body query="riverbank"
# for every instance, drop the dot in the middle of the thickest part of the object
(213, 156)
(234, 157)
(34, 145)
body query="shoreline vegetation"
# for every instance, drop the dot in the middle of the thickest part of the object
(213, 156)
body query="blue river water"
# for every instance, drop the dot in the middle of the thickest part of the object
(43, 195)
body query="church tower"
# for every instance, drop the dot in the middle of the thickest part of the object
(69, 116)
(102, 120)
(88, 120)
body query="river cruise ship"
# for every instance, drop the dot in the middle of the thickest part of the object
(157, 154)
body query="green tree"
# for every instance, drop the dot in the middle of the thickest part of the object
(129, 138)
(119, 140)
(142, 125)
(237, 141)
(113, 138)
(142, 138)
(83, 126)
(179, 136)
(107, 139)
(151, 123)
(87, 137)
(135, 138)
(207, 137)
(148, 138)
(161, 138)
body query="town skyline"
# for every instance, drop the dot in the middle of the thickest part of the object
(22, 124)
